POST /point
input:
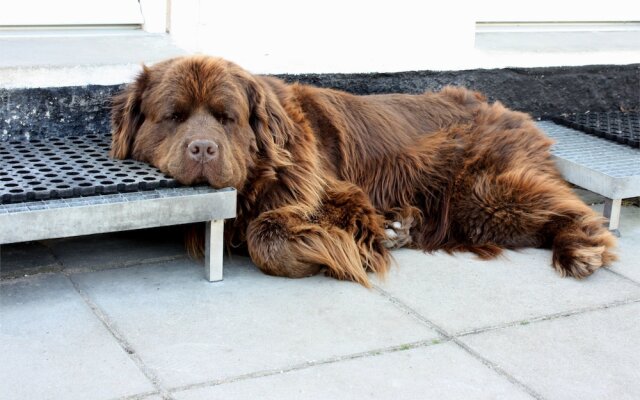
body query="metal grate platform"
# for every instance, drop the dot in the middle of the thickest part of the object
(621, 127)
(114, 212)
(609, 169)
(70, 167)
(62, 187)
(46, 219)
(105, 199)
(601, 166)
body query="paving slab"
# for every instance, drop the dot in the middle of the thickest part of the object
(461, 293)
(118, 249)
(19, 259)
(442, 371)
(594, 355)
(53, 347)
(588, 197)
(188, 330)
(629, 243)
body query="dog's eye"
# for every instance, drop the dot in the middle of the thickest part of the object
(223, 118)
(178, 117)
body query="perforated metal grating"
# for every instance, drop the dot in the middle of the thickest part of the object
(67, 203)
(70, 167)
(599, 155)
(621, 127)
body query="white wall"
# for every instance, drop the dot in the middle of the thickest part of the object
(276, 36)
(286, 36)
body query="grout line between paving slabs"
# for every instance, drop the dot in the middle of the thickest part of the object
(619, 275)
(125, 264)
(139, 396)
(27, 273)
(549, 317)
(60, 268)
(54, 268)
(500, 371)
(109, 266)
(309, 364)
(121, 340)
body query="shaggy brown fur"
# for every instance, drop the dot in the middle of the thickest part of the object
(329, 180)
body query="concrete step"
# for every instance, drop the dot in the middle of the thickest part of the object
(56, 58)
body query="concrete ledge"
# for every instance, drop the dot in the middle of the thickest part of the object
(58, 111)
(55, 112)
(71, 58)
(538, 91)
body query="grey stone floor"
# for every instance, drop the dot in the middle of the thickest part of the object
(129, 316)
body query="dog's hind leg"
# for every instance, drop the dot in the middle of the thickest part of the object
(581, 245)
(527, 208)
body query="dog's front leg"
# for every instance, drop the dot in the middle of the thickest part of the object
(288, 242)
(398, 224)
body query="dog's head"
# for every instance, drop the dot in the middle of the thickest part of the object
(200, 120)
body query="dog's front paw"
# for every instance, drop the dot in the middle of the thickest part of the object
(397, 233)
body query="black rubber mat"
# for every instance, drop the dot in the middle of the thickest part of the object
(621, 127)
(70, 167)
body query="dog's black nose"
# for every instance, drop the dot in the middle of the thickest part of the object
(202, 150)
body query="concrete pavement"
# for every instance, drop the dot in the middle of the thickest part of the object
(129, 316)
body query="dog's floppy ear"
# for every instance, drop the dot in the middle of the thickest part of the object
(269, 121)
(285, 144)
(126, 116)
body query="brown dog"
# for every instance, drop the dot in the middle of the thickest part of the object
(331, 180)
